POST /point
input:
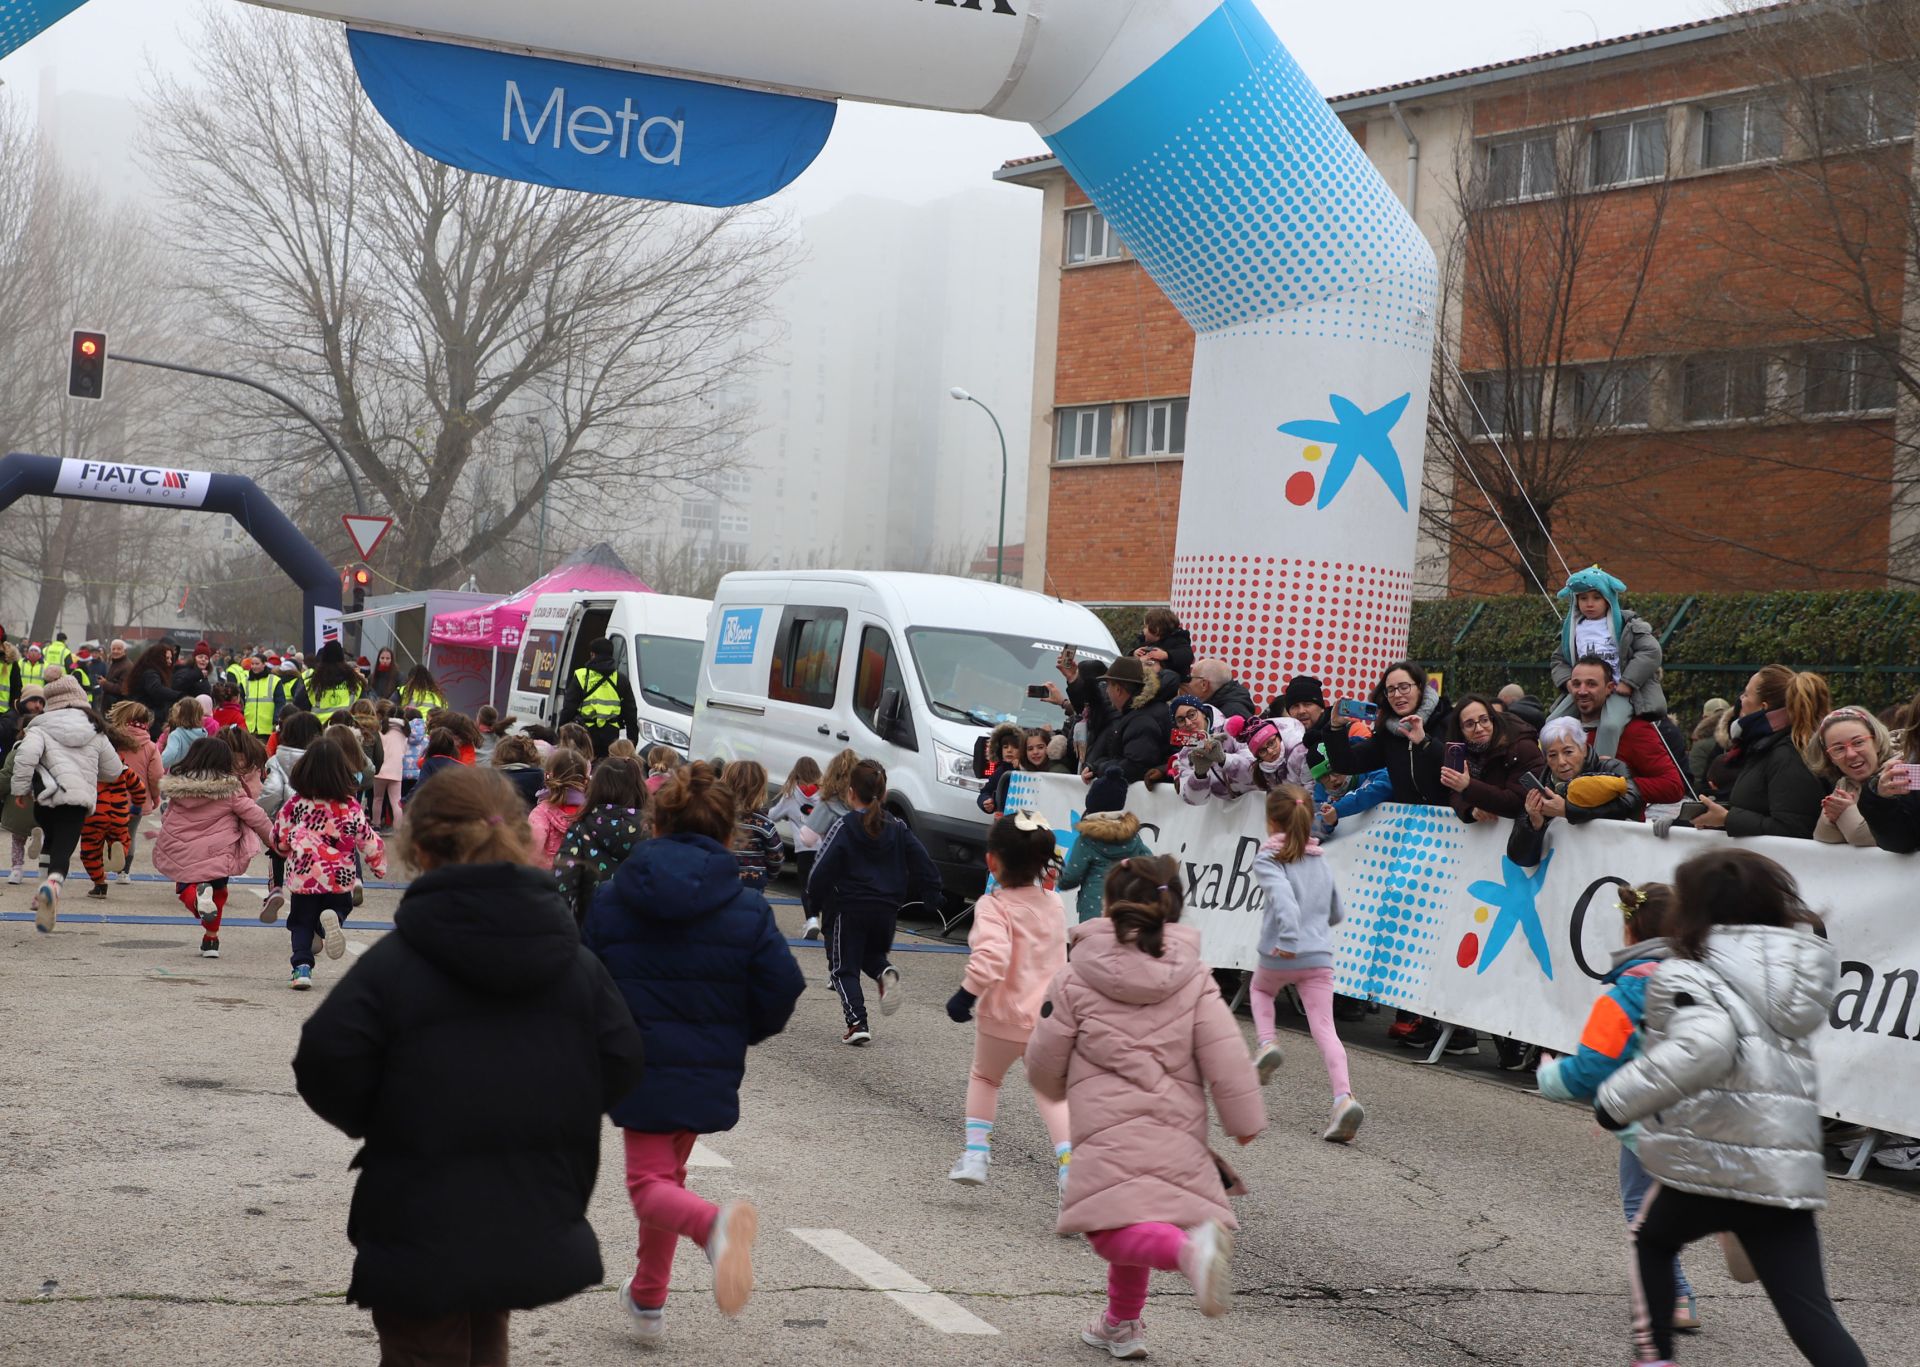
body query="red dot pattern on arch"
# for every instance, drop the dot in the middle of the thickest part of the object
(1272, 617)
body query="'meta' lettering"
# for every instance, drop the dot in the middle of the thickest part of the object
(589, 130)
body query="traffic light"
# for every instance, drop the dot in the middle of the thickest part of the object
(87, 366)
(359, 576)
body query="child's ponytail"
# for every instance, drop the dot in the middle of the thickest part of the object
(869, 783)
(1290, 816)
(1143, 899)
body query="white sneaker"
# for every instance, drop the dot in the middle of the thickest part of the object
(811, 930)
(730, 1250)
(33, 846)
(1125, 1340)
(889, 990)
(124, 877)
(646, 1325)
(13, 879)
(206, 903)
(1267, 1060)
(971, 1170)
(46, 907)
(1207, 1263)
(270, 909)
(1347, 1115)
(334, 938)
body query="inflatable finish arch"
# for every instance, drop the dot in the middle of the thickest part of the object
(1188, 123)
(23, 475)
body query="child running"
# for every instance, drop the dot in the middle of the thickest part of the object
(609, 826)
(1017, 947)
(1296, 948)
(707, 974)
(1137, 1037)
(1727, 1095)
(186, 724)
(1611, 1037)
(213, 830)
(761, 852)
(322, 829)
(794, 805)
(115, 808)
(869, 867)
(473, 1052)
(560, 805)
(132, 719)
(298, 730)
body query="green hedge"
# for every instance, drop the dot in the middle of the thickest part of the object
(1867, 644)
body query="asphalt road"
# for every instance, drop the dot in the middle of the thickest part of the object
(166, 1199)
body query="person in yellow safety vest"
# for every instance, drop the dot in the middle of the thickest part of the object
(58, 653)
(237, 671)
(33, 669)
(421, 691)
(332, 685)
(10, 684)
(600, 700)
(261, 697)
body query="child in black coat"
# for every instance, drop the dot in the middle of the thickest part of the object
(474, 1050)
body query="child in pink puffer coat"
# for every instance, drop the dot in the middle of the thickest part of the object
(1018, 946)
(1135, 1038)
(212, 832)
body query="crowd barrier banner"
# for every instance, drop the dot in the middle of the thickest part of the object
(1440, 922)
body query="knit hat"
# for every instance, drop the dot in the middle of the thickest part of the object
(1188, 700)
(202, 648)
(65, 691)
(1128, 671)
(33, 649)
(1303, 688)
(33, 691)
(1716, 705)
(273, 661)
(1108, 793)
(1258, 732)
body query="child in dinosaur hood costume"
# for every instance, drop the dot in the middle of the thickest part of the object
(1598, 625)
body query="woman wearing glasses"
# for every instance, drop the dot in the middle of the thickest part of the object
(1408, 741)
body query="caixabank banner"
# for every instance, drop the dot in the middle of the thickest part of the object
(1438, 920)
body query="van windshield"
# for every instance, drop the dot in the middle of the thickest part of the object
(982, 678)
(666, 669)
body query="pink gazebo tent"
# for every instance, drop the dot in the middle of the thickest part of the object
(471, 643)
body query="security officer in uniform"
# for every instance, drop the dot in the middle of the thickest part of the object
(58, 653)
(600, 699)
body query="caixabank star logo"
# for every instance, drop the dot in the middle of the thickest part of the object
(1355, 435)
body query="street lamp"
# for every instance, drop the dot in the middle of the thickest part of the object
(1000, 548)
(546, 473)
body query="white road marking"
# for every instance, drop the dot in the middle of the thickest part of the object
(901, 1287)
(704, 1157)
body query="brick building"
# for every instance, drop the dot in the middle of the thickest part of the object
(1673, 299)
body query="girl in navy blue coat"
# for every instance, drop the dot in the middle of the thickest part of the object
(706, 974)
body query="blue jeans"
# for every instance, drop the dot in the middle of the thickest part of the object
(1634, 1181)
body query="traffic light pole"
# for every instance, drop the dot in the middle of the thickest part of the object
(353, 483)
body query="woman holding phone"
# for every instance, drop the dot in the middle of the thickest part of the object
(1488, 763)
(1411, 719)
(1890, 801)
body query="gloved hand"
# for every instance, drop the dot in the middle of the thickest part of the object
(960, 1006)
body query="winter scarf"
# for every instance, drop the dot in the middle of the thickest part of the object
(1398, 725)
(1750, 730)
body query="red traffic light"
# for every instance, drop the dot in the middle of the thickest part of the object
(89, 347)
(362, 576)
(87, 365)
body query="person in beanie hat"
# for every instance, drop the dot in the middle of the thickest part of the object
(33, 670)
(61, 762)
(30, 704)
(190, 675)
(1304, 700)
(1107, 834)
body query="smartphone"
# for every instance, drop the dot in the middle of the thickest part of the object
(1689, 812)
(1352, 709)
(1037, 691)
(1456, 755)
(1533, 783)
(1913, 778)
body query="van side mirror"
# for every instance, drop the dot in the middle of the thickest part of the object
(886, 716)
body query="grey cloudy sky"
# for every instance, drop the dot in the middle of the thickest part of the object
(915, 155)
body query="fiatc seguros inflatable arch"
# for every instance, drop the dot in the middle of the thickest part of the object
(1189, 125)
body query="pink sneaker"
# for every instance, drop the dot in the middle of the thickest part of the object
(1128, 1339)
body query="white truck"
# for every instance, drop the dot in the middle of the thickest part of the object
(657, 642)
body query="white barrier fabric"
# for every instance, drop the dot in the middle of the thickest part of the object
(1438, 921)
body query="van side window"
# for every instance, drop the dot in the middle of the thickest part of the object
(806, 658)
(878, 671)
(539, 660)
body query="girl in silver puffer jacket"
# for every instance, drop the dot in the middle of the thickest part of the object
(1727, 1095)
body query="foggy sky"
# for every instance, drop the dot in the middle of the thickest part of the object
(916, 155)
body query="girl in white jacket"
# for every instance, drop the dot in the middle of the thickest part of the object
(1252, 757)
(64, 757)
(1301, 908)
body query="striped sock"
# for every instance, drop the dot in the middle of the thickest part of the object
(979, 1135)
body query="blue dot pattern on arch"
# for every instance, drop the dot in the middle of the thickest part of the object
(1395, 905)
(1229, 177)
(22, 20)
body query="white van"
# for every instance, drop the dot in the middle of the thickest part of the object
(908, 669)
(657, 642)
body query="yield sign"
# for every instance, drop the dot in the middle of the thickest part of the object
(367, 532)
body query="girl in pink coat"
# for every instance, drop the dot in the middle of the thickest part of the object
(1019, 945)
(1136, 1037)
(212, 832)
(135, 720)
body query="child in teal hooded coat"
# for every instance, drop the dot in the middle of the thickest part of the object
(1598, 625)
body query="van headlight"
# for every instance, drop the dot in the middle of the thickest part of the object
(954, 766)
(653, 733)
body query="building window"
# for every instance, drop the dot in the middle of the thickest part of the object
(698, 517)
(737, 525)
(1083, 433)
(1866, 113)
(1852, 377)
(1520, 169)
(1616, 396)
(1628, 153)
(806, 657)
(1505, 405)
(1157, 428)
(1727, 388)
(1741, 132)
(1091, 238)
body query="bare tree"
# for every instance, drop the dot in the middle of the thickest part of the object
(1528, 423)
(417, 307)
